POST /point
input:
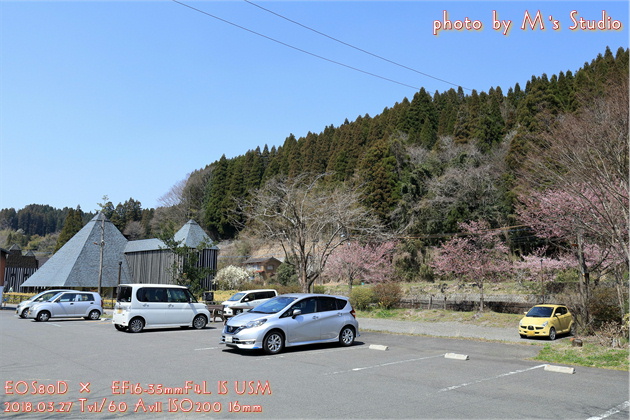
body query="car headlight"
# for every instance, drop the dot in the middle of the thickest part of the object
(545, 324)
(256, 323)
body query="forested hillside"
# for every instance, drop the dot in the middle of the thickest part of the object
(426, 164)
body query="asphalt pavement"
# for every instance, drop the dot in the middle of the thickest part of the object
(440, 329)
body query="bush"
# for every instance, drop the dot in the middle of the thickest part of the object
(286, 275)
(604, 306)
(319, 289)
(387, 294)
(362, 297)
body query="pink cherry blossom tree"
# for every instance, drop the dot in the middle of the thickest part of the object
(575, 190)
(476, 256)
(586, 225)
(355, 262)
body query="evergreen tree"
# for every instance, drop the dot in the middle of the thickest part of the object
(378, 170)
(71, 226)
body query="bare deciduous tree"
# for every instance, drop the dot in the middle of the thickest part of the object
(583, 157)
(309, 221)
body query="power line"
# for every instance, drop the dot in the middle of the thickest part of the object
(294, 47)
(354, 47)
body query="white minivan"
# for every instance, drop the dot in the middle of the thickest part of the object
(140, 306)
(247, 299)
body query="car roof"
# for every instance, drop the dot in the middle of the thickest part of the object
(303, 295)
(257, 290)
(57, 291)
(548, 305)
(153, 285)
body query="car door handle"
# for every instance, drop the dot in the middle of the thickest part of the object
(315, 317)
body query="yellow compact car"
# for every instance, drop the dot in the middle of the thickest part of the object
(546, 321)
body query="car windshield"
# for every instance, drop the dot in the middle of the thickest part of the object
(44, 297)
(273, 306)
(53, 297)
(540, 312)
(236, 297)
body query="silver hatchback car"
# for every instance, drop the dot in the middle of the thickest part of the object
(293, 320)
(70, 304)
(23, 307)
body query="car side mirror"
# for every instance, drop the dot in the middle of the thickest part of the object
(296, 312)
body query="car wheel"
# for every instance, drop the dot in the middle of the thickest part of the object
(24, 313)
(43, 316)
(346, 336)
(136, 325)
(120, 327)
(199, 322)
(573, 329)
(93, 315)
(552, 333)
(273, 342)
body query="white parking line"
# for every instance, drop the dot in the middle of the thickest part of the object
(324, 351)
(207, 348)
(450, 388)
(385, 364)
(612, 411)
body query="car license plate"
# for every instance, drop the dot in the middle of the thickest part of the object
(228, 339)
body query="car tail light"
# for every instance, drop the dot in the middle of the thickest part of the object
(354, 315)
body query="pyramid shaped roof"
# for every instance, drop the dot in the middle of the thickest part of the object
(192, 235)
(77, 263)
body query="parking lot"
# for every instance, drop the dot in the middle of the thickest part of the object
(87, 369)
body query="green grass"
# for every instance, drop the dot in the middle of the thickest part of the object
(486, 318)
(590, 355)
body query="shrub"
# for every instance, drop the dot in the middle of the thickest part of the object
(319, 289)
(387, 294)
(362, 297)
(286, 274)
(604, 306)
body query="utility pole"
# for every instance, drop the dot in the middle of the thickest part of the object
(102, 245)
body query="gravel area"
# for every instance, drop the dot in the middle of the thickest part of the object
(440, 329)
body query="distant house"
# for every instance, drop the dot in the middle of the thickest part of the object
(77, 263)
(18, 267)
(265, 267)
(3, 262)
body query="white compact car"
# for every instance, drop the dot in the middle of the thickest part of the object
(247, 299)
(140, 306)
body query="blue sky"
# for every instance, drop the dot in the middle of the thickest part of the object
(125, 98)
